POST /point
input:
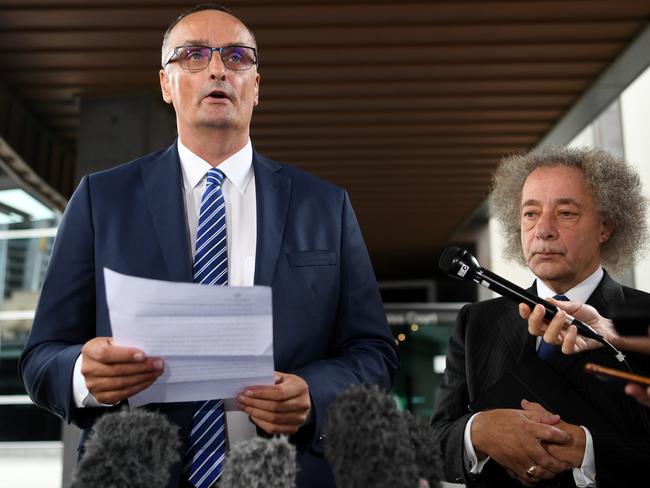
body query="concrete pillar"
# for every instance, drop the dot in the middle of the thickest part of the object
(608, 135)
(115, 130)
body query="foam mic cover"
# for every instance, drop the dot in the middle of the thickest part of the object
(427, 456)
(366, 441)
(260, 462)
(131, 448)
(458, 263)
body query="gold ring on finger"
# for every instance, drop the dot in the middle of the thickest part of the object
(530, 472)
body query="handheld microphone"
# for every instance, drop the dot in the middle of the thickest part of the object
(459, 263)
(131, 448)
(260, 462)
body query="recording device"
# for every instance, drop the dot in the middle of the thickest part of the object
(459, 263)
(260, 462)
(616, 374)
(131, 448)
(363, 423)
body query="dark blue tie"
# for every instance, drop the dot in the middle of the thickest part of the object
(205, 454)
(545, 350)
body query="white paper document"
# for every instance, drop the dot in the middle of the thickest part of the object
(215, 340)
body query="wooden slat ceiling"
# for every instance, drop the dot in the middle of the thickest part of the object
(408, 105)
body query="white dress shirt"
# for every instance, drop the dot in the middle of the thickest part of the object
(241, 212)
(585, 475)
(241, 229)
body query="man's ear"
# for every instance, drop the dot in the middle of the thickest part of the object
(257, 89)
(164, 86)
(606, 229)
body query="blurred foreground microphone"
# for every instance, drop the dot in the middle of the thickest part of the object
(459, 263)
(366, 441)
(427, 459)
(260, 462)
(131, 448)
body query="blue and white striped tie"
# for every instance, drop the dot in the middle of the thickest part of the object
(206, 451)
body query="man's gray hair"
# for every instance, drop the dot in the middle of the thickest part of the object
(615, 186)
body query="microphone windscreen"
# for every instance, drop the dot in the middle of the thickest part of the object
(447, 258)
(366, 441)
(132, 448)
(427, 456)
(260, 462)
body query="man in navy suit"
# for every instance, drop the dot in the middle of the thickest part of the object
(286, 229)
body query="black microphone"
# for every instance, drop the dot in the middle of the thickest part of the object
(461, 264)
(365, 441)
(257, 462)
(131, 448)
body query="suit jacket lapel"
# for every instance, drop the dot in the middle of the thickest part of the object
(272, 193)
(515, 333)
(518, 339)
(606, 293)
(162, 180)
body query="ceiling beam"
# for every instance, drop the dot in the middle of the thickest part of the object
(633, 61)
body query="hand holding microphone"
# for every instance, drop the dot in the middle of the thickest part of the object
(573, 343)
(578, 327)
(557, 332)
(460, 264)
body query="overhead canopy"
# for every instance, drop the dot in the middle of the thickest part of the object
(409, 106)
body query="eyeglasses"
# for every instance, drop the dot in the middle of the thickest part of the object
(197, 58)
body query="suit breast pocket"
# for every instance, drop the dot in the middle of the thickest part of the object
(299, 259)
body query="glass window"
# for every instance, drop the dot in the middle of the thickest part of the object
(27, 229)
(421, 331)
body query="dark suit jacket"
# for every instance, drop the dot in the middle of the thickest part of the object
(329, 323)
(490, 341)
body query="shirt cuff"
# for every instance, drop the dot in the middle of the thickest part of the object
(585, 475)
(472, 464)
(82, 397)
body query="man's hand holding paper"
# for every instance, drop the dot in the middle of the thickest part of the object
(281, 408)
(114, 373)
(215, 341)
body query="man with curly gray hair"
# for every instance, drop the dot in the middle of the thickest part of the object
(565, 213)
(614, 186)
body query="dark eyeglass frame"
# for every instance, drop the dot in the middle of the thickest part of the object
(176, 50)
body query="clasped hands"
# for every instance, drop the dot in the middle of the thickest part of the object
(114, 373)
(521, 439)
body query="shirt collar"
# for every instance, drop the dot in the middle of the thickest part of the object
(579, 293)
(238, 168)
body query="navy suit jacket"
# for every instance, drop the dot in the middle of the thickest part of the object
(329, 323)
(490, 341)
